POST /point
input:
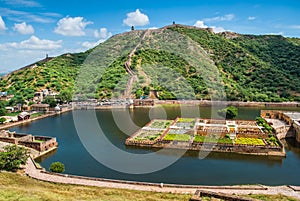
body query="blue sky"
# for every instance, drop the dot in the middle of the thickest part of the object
(30, 28)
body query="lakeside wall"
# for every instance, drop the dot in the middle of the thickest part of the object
(228, 103)
(13, 124)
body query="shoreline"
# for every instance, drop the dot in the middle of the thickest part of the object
(35, 172)
(9, 125)
(227, 103)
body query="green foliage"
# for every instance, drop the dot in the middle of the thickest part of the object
(212, 139)
(177, 137)
(57, 167)
(65, 96)
(50, 100)
(229, 112)
(3, 111)
(253, 68)
(12, 157)
(272, 141)
(2, 120)
(262, 122)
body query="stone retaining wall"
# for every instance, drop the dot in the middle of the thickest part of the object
(213, 147)
(199, 194)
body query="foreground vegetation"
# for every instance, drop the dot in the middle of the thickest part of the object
(19, 187)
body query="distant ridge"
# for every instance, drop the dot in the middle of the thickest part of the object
(262, 68)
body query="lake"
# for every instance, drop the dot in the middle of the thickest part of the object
(215, 169)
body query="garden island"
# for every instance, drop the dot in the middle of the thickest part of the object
(238, 136)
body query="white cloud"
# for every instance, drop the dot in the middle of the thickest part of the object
(136, 19)
(295, 27)
(102, 33)
(276, 34)
(251, 18)
(90, 45)
(218, 29)
(70, 26)
(22, 3)
(200, 24)
(2, 24)
(21, 16)
(153, 28)
(24, 28)
(227, 17)
(33, 43)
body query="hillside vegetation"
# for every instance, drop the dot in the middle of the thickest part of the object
(250, 68)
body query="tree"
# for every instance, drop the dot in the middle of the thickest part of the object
(2, 120)
(3, 111)
(50, 100)
(12, 157)
(229, 112)
(65, 96)
(57, 167)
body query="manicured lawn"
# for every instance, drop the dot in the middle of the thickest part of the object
(186, 120)
(177, 137)
(249, 141)
(200, 139)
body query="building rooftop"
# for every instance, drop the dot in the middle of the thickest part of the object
(293, 115)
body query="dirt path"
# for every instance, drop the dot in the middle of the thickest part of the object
(33, 172)
(133, 77)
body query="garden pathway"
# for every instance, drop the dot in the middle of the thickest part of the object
(33, 172)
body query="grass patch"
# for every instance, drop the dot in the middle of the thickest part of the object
(271, 197)
(13, 114)
(186, 120)
(249, 141)
(34, 115)
(177, 137)
(19, 187)
(39, 141)
(200, 139)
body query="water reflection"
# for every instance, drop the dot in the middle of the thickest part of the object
(268, 160)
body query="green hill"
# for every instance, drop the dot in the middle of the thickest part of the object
(178, 62)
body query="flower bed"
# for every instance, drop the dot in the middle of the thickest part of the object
(249, 141)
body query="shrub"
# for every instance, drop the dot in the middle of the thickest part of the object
(57, 167)
(12, 157)
(2, 120)
(228, 112)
